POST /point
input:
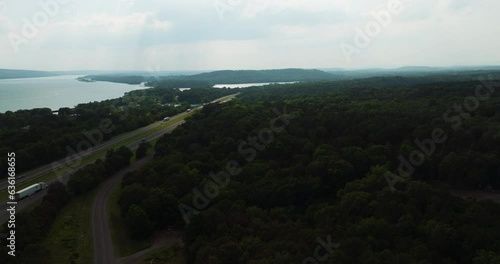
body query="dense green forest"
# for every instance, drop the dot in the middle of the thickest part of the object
(40, 136)
(294, 173)
(115, 78)
(281, 171)
(33, 226)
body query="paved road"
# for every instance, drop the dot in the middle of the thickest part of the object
(71, 159)
(162, 240)
(4, 216)
(103, 245)
(479, 195)
(26, 176)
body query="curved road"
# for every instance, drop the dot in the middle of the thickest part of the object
(103, 245)
(4, 215)
(69, 161)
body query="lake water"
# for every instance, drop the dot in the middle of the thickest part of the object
(56, 92)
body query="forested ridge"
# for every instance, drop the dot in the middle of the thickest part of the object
(322, 177)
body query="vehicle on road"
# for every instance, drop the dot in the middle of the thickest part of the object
(189, 110)
(143, 140)
(30, 190)
(166, 119)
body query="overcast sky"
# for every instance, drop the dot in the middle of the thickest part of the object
(246, 34)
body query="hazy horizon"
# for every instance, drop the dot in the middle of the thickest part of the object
(129, 35)
(263, 69)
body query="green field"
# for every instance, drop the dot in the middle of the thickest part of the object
(70, 237)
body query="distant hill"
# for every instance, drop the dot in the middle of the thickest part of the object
(220, 77)
(14, 74)
(417, 68)
(17, 74)
(260, 76)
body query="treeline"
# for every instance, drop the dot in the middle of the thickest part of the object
(261, 76)
(322, 178)
(32, 227)
(209, 79)
(116, 78)
(178, 83)
(39, 136)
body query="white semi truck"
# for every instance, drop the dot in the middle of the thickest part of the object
(28, 191)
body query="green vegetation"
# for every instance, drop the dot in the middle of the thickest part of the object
(247, 76)
(324, 175)
(114, 78)
(170, 255)
(178, 83)
(70, 237)
(40, 137)
(32, 227)
(123, 245)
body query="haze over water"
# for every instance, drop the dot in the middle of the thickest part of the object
(56, 92)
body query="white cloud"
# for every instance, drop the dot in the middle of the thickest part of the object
(188, 34)
(115, 23)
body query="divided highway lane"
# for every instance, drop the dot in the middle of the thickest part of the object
(67, 161)
(4, 216)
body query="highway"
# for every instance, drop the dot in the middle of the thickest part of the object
(4, 216)
(69, 162)
(103, 244)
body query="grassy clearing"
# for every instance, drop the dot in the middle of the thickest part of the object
(70, 237)
(123, 245)
(170, 255)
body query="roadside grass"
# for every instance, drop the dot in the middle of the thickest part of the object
(170, 255)
(122, 243)
(70, 237)
(91, 158)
